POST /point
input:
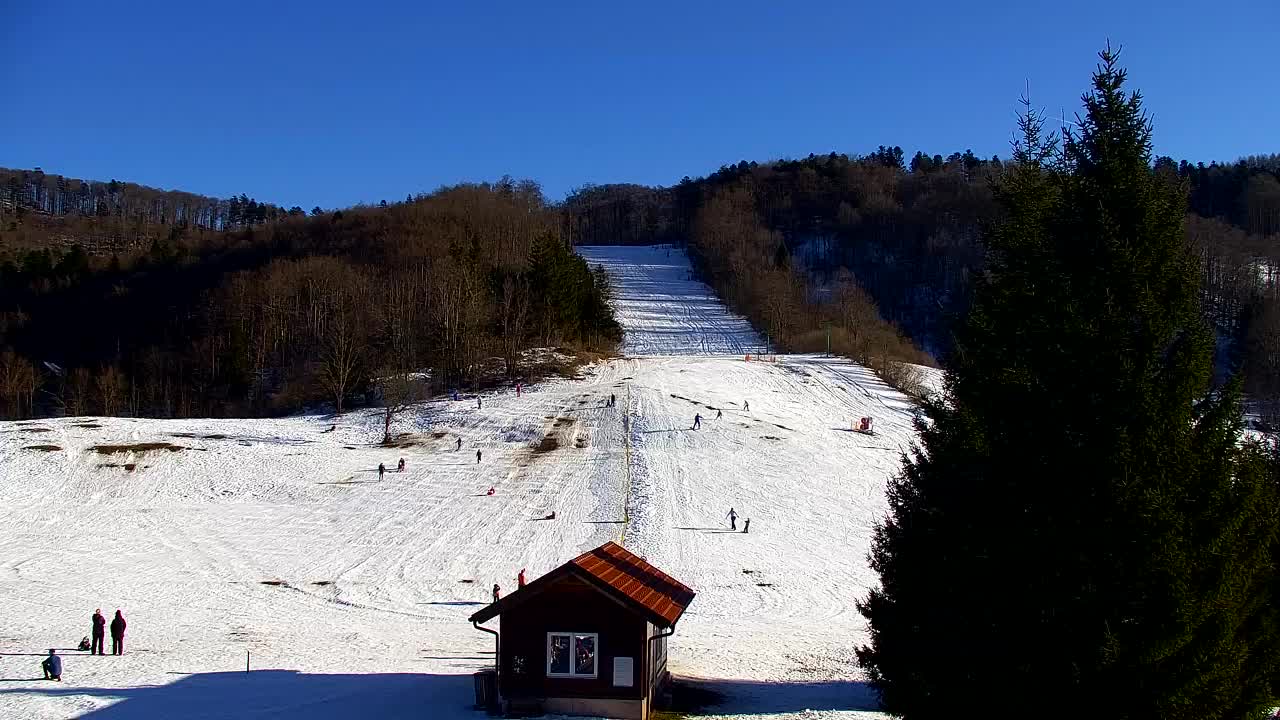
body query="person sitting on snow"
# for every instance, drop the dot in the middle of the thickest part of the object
(52, 666)
(400, 466)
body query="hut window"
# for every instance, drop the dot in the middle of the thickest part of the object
(571, 654)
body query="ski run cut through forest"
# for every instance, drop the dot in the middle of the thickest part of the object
(277, 543)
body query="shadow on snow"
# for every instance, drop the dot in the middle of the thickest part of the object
(294, 695)
(287, 694)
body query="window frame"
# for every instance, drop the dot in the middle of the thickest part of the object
(573, 640)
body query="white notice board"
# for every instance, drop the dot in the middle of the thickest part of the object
(624, 671)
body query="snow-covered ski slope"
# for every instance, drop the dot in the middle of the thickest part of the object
(350, 593)
(664, 310)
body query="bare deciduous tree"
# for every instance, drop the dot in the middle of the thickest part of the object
(514, 310)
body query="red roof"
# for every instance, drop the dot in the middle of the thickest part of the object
(614, 571)
(630, 575)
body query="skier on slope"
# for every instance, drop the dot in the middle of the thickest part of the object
(733, 519)
(719, 413)
(459, 445)
(400, 466)
(478, 403)
(382, 470)
(477, 457)
(613, 400)
(746, 406)
(496, 592)
(697, 421)
(520, 578)
(746, 525)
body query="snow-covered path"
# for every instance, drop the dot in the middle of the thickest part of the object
(276, 537)
(664, 310)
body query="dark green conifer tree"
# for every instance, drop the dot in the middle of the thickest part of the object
(1081, 532)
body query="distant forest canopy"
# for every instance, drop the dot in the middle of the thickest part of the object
(291, 312)
(907, 234)
(154, 302)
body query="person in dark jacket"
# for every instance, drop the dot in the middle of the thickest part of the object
(52, 666)
(382, 470)
(497, 592)
(117, 634)
(99, 632)
(477, 457)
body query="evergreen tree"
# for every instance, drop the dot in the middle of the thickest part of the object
(1081, 532)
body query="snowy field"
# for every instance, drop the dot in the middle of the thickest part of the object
(350, 594)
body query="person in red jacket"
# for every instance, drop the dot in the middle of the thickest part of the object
(99, 632)
(117, 634)
(520, 578)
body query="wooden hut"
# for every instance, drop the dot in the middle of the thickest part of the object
(588, 638)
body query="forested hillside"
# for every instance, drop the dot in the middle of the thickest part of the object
(801, 245)
(257, 315)
(118, 298)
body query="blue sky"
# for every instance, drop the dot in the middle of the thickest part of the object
(326, 103)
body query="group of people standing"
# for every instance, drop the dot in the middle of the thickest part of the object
(52, 663)
(117, 633)
(382, 468)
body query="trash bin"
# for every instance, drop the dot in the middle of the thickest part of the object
(486, 689)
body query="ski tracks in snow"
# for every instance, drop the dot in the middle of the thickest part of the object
(276, 537)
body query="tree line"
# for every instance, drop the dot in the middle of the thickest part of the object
(908, 235)
(299, 312)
